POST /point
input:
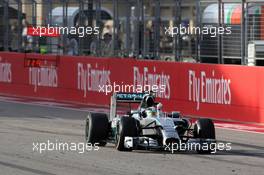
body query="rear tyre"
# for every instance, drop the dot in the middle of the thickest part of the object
(127, 127)
(204, 129)
(96, 129)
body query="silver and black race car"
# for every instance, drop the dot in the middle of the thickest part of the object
(136, 121)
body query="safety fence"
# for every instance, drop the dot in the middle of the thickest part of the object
(226, 92)
(137, 28)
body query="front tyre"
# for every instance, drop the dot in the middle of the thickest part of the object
(127, 127)
(96, 129)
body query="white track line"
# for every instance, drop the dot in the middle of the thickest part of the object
(50, 106)
(239, 130)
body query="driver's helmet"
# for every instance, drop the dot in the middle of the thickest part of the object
(149, 101)
(151, 112)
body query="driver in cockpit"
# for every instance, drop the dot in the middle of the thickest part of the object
(148, 101)
(149, 108)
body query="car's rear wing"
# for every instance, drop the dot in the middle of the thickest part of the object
(124, 98)
(129, 97)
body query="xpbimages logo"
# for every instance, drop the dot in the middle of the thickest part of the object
(205, 30)
(193, 146)
(55, 31)
(50, 146)
(209, 88)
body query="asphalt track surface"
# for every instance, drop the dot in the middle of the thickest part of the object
(21, 125)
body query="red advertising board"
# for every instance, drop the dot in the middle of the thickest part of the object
(226, 92)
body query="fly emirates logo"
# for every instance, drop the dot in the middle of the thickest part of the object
(210, 88)
(91, 78)
(152, 78)
(44, 76)
(5, 72)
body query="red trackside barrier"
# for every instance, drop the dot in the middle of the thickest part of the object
(226, 92)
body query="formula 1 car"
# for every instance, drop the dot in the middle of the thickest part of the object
(147, 127)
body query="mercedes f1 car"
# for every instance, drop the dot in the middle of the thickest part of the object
(147, 126)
